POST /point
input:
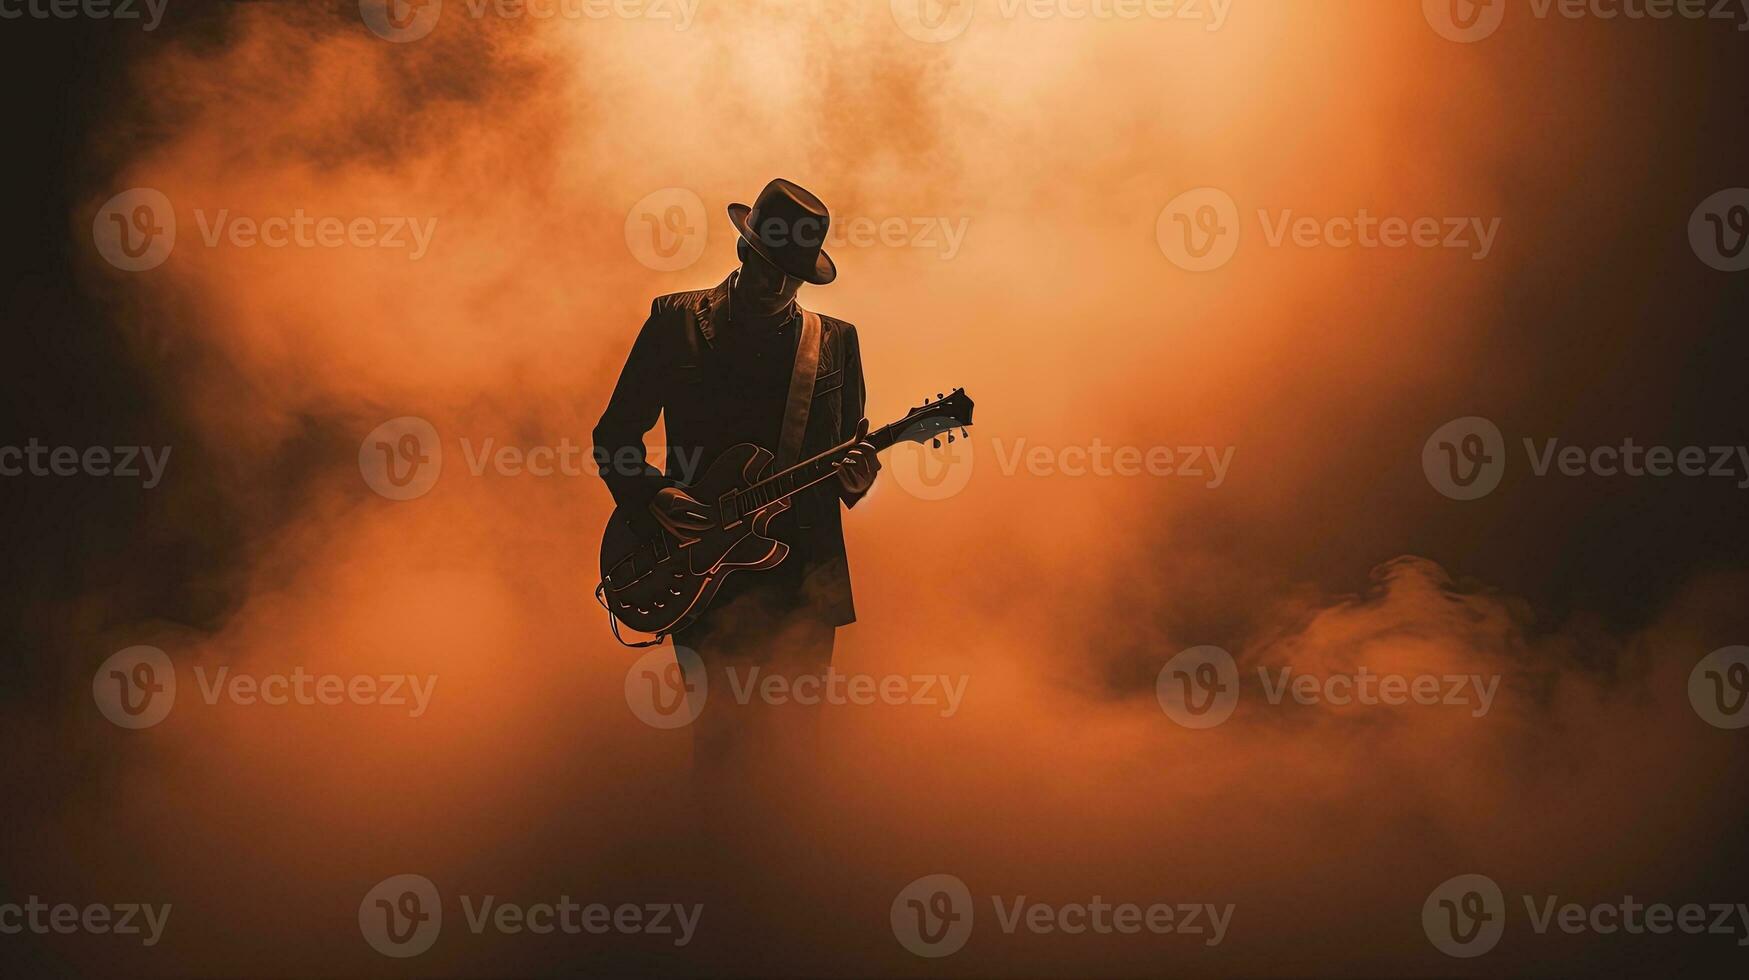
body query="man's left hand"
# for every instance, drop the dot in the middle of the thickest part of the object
(857, 468)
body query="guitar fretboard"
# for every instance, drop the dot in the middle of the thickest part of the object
(808, 472)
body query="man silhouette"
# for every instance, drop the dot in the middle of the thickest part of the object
(716, 365)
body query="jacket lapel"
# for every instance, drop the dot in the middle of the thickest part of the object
(715, 311)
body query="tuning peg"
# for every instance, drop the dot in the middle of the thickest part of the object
(963, 433)
(950, 435)
(940, 395)
(936, 443)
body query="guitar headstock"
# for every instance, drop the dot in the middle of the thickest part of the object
(932, 418)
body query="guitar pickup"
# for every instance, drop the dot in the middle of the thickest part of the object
(624, 573)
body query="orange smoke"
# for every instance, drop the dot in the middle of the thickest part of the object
(1054, 145)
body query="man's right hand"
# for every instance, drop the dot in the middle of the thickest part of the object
(678, 513)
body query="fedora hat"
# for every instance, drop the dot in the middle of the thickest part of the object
(787, 226)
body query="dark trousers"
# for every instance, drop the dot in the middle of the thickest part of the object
(752, 650)
(755, 751)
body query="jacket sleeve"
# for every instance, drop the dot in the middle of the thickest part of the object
(854, 398)
(620, 454)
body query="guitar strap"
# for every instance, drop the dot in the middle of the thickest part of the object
(801, 392)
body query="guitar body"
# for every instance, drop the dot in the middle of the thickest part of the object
(658, 584)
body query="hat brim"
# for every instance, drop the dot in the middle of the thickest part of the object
(823, 271)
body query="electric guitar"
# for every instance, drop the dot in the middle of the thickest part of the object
(659, 583)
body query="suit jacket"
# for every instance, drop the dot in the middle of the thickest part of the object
(675, 370)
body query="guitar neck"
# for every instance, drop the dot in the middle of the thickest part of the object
(788, 483)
